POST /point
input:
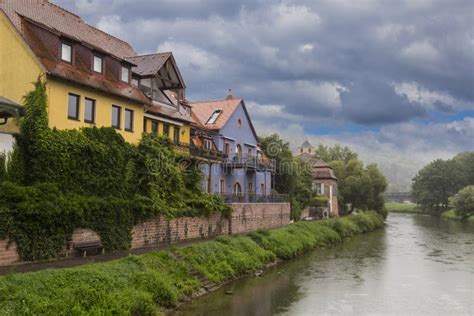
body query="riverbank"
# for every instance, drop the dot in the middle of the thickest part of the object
(357, 276)
(393, 207)
(147, 284)
(405, 208)
(451, 215)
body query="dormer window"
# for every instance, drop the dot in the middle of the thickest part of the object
(66, 52)
(97, 64)
(125, 74)
(212, 119)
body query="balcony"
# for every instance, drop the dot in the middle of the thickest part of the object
(253, 198)
(207, 154)
(250, 162)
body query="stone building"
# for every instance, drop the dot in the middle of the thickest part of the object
(324, 179)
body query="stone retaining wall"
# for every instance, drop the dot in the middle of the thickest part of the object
(159, 231)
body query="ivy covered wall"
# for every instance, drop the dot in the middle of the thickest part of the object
(59, 180)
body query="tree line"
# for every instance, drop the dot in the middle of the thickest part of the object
(359, 187)
(437, 186)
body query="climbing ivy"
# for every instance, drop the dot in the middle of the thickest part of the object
(60, 180)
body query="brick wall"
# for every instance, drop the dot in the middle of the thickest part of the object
(159, 231)
(248, 217)
(8, 253)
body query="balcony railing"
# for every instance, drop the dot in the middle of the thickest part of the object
(250, 162)
(206, 153)
(253, 198)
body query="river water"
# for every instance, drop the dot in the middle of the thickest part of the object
(417, 265)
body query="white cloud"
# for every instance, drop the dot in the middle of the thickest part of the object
(191, 57)
(111, 24)
(393, 32)
(306, 48)
(321, 94)
(421, 51)
(416, 93)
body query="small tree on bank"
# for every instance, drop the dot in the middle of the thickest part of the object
(463, 202)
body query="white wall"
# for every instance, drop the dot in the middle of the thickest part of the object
(6, 142)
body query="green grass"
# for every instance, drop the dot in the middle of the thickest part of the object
(146, 284)
(394, 207)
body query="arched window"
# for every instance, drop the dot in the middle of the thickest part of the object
(238, 151)
(237, 190)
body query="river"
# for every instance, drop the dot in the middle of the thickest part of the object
(416, 265)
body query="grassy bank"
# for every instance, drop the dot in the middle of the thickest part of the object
(145, 284)
(394, 207)
(451, 215)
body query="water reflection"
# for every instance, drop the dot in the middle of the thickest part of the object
(417, 265)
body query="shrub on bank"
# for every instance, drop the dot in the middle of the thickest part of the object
(141, 285)
(463, 202)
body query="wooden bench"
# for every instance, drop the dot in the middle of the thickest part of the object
(85, 246)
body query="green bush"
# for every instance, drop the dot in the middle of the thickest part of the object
(40, 218)
(463, 202)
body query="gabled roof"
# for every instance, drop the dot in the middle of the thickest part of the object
(27, 15)
(65, 22)
(320, 168)
(202, 110)
(323, 173)
(78, 74)
(148, 65)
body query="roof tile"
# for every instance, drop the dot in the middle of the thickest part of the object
(63, 21)
(203, 110)
(148, 65)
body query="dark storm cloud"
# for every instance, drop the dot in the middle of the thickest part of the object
(339, 60)
(372, 101)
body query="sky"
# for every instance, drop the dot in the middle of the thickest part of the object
(393, 80)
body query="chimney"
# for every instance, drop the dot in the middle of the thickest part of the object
(229, 96)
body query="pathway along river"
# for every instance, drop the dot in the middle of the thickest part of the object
(417, 265)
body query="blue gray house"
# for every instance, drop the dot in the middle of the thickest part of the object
(245, 173)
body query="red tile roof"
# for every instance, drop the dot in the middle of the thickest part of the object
(77, 74)
(63, 21)
(148, 65)
(202, 110)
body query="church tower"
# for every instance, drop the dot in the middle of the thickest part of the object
(306, 148)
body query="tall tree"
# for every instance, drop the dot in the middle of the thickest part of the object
(439, 180)
(275, 148)
(435, 183)
(292, 176)
(378, 185)
(336, 152)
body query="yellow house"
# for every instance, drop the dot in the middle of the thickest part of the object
(93, 78)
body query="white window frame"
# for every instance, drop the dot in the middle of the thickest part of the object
(100, 61)
(125, 70)
(214, 116)
(67, 58)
